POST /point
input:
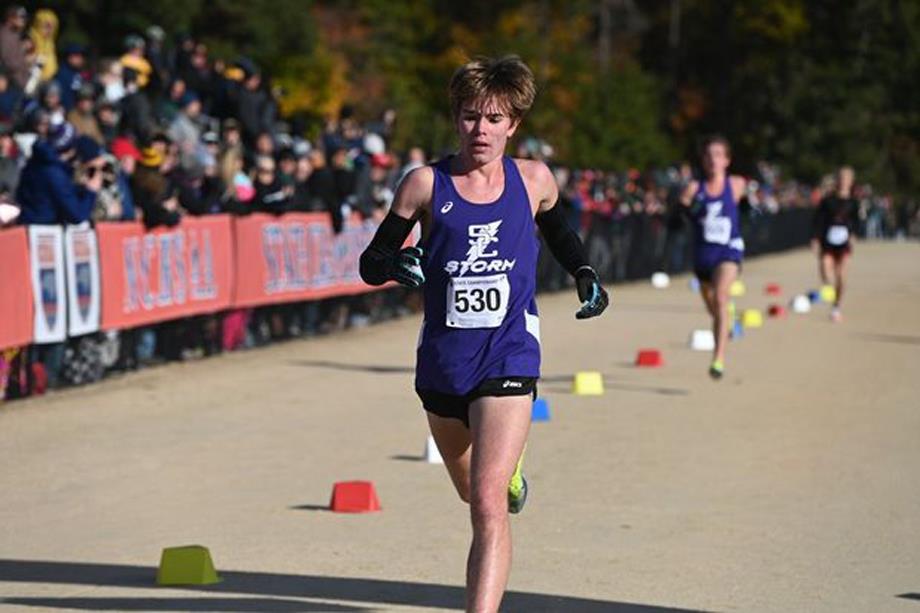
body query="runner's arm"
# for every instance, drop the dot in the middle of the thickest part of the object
(818, 224)
(383, 260)
(564, 242)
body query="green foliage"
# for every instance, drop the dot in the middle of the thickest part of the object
(808, 83)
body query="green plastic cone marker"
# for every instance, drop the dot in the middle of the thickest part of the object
(189, 565)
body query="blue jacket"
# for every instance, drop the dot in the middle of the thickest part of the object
(70, 81)
(47, 192)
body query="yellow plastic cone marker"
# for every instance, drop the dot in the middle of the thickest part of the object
(828, 294)
(588, 383)
(751, 318)
(188, 565)
(737, 289)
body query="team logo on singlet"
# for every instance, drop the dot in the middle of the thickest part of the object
(482, 256)
(447, 207)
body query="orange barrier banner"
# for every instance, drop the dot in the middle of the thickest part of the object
(298, 257)
(16, 314)
(164, 274)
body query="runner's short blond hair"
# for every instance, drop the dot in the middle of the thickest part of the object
(507, 80)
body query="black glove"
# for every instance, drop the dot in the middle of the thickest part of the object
(406, 268)
(593, 297)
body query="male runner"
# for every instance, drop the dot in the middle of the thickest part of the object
(478, 356)
(718, 248)
(832, 235)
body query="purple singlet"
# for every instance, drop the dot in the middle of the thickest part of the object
(480, 268)
(717, 229)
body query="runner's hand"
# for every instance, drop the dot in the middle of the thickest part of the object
(407, 267)
(592, 295)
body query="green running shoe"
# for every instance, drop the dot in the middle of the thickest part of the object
(716, 369)
(517, 489)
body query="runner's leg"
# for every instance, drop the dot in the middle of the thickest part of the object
(723, 277)
(840, 273)
(826, 267)
(453, 440)
(499, 429)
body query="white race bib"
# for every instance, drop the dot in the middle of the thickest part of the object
(716, 229)
(477, 302)
(838, 235)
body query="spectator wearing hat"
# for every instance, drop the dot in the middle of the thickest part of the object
(43, 33)
(156, 57)
(70, 74)
(185, 132)
(12, 52)
(127, 156)
(47, 190)
(250, 103)
(135, 60)
(51, 103)
(198, 75)
(90, 161)
(154, 193)
(83, 117)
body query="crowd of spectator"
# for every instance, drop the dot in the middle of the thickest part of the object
(163, 129)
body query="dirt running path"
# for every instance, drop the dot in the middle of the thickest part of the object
(791, 485)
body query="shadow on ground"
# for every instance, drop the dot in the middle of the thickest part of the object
(273, 587)
(231, 605)
(609, 382)
(371, 368)
(899, 339)
(562, 384)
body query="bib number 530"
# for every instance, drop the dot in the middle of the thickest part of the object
(477, 302)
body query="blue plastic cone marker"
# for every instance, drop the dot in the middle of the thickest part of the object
(737, 330)
(814, 296)
(188, 565)
(540, 411)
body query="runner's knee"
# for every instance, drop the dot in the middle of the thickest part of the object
(489, 504)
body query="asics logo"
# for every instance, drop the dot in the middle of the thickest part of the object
(447, 207)
(515, 384)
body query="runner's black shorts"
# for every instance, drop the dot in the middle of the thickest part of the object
(458, 407)
(704, 273)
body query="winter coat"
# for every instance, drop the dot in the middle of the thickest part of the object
(47, 192)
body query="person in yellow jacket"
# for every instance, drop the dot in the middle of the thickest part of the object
(135, 60)
(43, 33)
